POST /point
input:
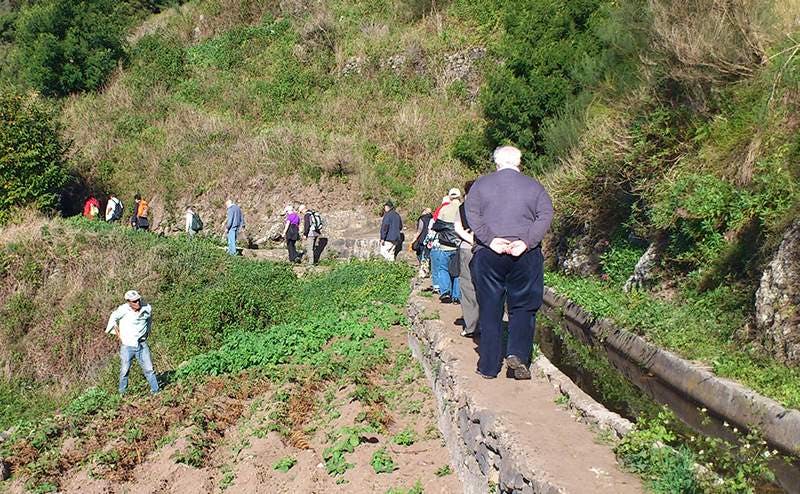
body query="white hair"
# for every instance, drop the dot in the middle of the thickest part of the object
(507, 157)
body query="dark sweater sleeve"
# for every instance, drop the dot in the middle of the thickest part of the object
(306, 224)
(544, 216)
(385, 226)
(474, 205)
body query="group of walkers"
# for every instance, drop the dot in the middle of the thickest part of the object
(303, 224)
(139, 220)
(484, 252)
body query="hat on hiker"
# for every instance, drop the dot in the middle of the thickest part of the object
(454, 193)
(390, 204)
(132, 296)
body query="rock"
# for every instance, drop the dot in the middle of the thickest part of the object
(643, 271)
(778, 299)
(5, 470)
(461, 66)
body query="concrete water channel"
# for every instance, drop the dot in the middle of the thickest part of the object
(692, 413)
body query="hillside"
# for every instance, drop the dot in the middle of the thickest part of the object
(666, 132)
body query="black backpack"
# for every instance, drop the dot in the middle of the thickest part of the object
(197, 223)
(117, 213)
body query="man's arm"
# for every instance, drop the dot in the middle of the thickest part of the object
(544, 216)
(306, 224)
(229, 219)
(113, 321)
(384, 227)
(474, 205)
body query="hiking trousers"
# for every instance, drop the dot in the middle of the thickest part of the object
(469, 301)
(519, 281)
(142, 354)
(291, 246)
(387, 250)
(232, 234)
(440, 273)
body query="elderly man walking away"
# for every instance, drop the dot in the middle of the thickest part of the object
(131, 323)
(391, 231)
(234, 222)
(509, 214)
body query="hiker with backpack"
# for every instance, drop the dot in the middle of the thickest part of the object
(444, 257)
(114, 209)
(419, 246)
(193, 222)
(313, 241)
(141, 213)
(234, 222)
(91, 208)
(291, 232)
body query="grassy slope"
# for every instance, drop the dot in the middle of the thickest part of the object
(707, 167)
(228, 97)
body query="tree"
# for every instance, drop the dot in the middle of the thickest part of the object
(32, 163)
(65, 46)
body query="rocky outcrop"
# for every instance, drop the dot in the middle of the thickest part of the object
(778, 300)
(643, 272)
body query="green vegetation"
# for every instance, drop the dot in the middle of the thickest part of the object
(32, 166)
(285, 464)
(66, 46)
(406, 437)
(700, 327)
(382, 462)
(443, 471)
(415, 489)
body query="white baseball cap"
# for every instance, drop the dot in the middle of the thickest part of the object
(132, 296)
(454, 193)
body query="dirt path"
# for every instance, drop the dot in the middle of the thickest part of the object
(550, 440)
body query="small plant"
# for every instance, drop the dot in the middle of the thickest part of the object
(227, 479)
(416, 489)
(345, 440)
(443, 471)
(561, 400)
(382, 462)
(406, 437)
(285, 464)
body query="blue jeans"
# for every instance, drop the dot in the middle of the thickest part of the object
(519, 281)
(440, 273)
(232, 233)
(142, 354)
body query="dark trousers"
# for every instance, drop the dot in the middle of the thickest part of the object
(292, 248)
(518, 280)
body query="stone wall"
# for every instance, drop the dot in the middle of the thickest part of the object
(485, 454)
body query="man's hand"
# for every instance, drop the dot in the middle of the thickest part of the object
(517, 248)
(499, 245)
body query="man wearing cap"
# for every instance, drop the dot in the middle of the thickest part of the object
(391, 231)
(509, 213)
(445, 249)
(131, 323)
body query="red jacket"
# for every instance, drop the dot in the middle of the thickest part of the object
(87, 207)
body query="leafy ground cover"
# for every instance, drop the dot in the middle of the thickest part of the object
(258, 353)
(698, 328)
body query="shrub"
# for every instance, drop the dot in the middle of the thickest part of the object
(32, 165)
(544, 45)
(70, 45)
(157, 59)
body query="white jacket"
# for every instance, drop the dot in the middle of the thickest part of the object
(134, 327)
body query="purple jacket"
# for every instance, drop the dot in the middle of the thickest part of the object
(507, 204)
